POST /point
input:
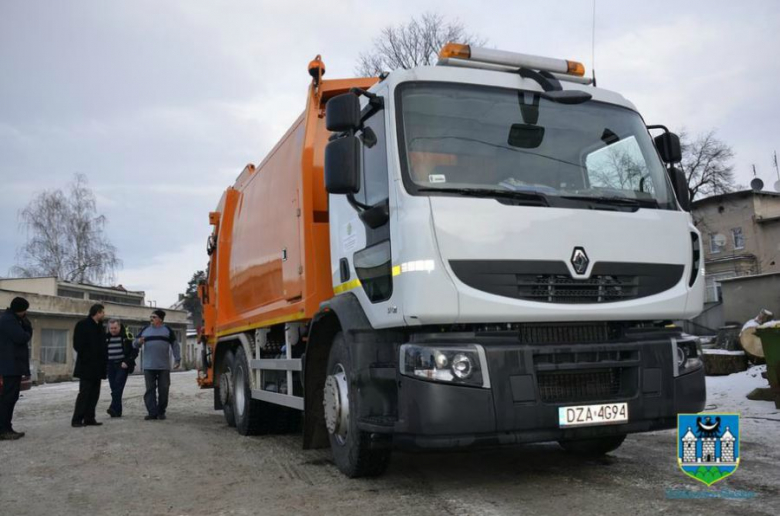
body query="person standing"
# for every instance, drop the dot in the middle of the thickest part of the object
(15, 333)
(121, 363)
(158, 341)
(89, 341)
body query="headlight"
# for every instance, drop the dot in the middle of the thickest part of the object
(686, 356)
(464, 365)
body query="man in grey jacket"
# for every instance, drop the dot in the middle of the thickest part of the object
(158, 342)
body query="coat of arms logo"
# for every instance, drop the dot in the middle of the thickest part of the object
(708, 445)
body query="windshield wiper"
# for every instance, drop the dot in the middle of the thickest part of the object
(531, 197)
(614, 200)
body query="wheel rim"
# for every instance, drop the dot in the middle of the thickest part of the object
(238, 391)
(224, 388)
(336, 404)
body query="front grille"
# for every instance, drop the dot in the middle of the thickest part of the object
(549, 288)
(566, 333)
(550, 281)
(585, 357)
(576, 386)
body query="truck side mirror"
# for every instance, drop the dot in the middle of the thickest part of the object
(342, 113)
(681, 190)
(342, 165)
(668, 145)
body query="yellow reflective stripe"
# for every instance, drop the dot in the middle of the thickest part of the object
(349, 285)
(268, 322)
(422, 266)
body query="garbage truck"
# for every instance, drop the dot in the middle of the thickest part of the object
(487, 251)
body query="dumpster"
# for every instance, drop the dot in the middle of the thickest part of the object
(770, 343)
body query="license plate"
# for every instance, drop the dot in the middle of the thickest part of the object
(586, 415)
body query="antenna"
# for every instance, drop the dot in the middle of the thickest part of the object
(593, 48)
(777, 171)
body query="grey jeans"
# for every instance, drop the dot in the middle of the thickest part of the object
(157, 380)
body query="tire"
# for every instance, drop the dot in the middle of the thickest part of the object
(253, 417)
(226, 366)
(593, 447)
(352, 448)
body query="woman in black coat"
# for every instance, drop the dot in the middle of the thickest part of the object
(89, 342)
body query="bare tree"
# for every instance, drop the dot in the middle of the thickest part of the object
(620, 168)
(65, 237)
(415, 43)
(707, 163)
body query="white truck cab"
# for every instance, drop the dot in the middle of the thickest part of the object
(509, 245)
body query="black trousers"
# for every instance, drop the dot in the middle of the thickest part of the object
(8, 399)
(86, 401)
(156, 381)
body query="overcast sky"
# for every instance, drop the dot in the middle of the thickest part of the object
(162, 103)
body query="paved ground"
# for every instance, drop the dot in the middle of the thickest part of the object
(193, 464)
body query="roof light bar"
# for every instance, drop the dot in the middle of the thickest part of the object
(467, 63)
(513, 59)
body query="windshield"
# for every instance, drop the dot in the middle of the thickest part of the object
(469, 139)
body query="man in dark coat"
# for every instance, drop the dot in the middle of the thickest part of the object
(89, 342)
(15, 333)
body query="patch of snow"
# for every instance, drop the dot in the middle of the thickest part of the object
(759, 420)
(721, 352)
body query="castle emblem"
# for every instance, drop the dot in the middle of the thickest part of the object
(708, 445)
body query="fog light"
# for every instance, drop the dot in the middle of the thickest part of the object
(440, 359)
(462, 366)
(681, 357)
(687, 357)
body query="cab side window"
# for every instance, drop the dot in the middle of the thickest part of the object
(374, 185)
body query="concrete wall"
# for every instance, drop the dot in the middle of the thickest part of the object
(43, 286)
(707, 323)
(62, 313)
(744, 297)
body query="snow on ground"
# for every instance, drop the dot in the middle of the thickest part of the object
(722, 352)
(760, 420)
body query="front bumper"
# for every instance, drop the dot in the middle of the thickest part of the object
(522, 404)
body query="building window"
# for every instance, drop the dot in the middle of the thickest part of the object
(739, 238)
(54, 346)
(713, 293)
(124, 300)
(66, 292)
(717, 243)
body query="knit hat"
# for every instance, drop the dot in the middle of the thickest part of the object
(160, 314)
(19, 304)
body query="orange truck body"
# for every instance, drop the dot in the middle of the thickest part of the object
(270, 258)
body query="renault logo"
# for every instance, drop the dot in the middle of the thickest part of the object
(579, 260)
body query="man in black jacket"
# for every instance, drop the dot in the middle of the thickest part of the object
(89, 341)
(15, 333)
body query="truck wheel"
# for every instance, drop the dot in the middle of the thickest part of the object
(225, 378)
(253, 417)
(593, 447)
(353, 451)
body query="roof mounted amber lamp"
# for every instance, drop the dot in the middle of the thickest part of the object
(462, 55)
(456, 51)
(317, 69)
(575, 68)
